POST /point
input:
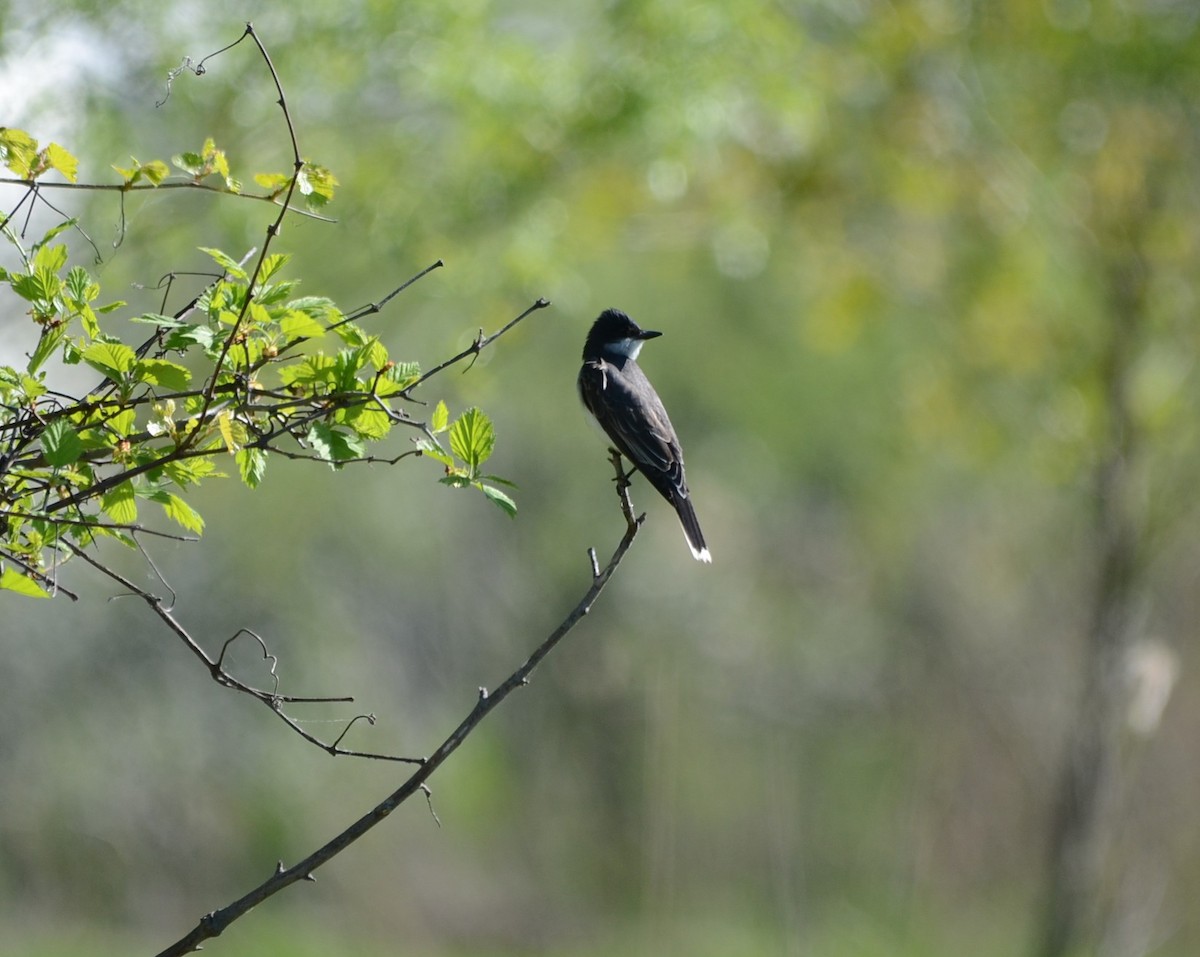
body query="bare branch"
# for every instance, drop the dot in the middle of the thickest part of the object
(216, 667)
(216, 922)
(481, 342)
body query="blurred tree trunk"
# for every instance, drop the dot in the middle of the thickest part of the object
(1082, 823)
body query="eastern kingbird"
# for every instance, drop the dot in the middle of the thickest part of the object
(620, 397)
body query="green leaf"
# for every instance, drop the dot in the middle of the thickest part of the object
(80, 285)
(441, 418)
(155, 319)
(186, 336)
(59, 159)
(162, 373)
(404, 374)
(19, 150)
(225, 262)
(122, 423)
(434, 452)
(316, 185)
(368, 421)
(39, 286)
(119, 505)
(252, 464)
(232, 431)
(296, 324)
(155, 171)
(87, 319)
(50, 258)
(275, 182)
(47, 343)
(271, 265)
(334, 445)
(185, 472)
(113, 359)
(61, 444)
(13, 580)
(313, 370)
(472, 438)
(191, 163)
(499, 480)
(495, 495)
(54, 231)
(33, 388)
(180, 512)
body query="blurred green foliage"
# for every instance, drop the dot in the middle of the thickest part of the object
(895, 250)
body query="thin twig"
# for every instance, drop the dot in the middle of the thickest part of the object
(216, 669)
(477, 346)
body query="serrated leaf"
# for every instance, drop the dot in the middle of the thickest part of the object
(186, 336)
(334, 445)
(272, 181)
(271, 265)
(404, 374)
(156, 319)
(252, 465)
(181, 512)
(226, 262)
(113, 359)
(13, 580)
(61, 444)
(321, 308)
(296, 324)
(122, 423)
(185, 472)
(118, 504)
(499, 480)
(51, 258)
(91, 324)
(192, 163)
(85, 536)
(503, 501)
(59, 159)
(47, 343)
(155, 171)
(54, 231)
(316, 183)
(233, 433)
(434, 452)
(162, 373)
(369, 421)
(31, 387)
(440, 419)
(472, 438)
(80, 285)
(38, 286)
(19, 150)
(313, 370)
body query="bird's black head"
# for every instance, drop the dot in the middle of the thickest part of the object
(614, 332)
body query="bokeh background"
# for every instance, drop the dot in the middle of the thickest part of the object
(927, 276)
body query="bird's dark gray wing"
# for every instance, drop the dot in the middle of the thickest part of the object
(630, 412)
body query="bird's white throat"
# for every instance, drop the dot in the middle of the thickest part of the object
(628, 348)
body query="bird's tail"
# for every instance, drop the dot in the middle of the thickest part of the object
(691, 528)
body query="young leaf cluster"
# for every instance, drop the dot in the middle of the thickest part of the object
(472, 438)
(248, 368)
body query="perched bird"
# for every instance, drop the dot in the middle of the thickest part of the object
(622, 400)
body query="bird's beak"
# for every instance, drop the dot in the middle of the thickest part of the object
(649, 334)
